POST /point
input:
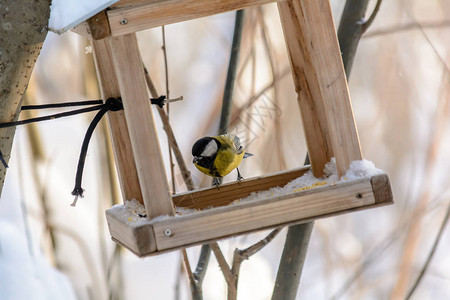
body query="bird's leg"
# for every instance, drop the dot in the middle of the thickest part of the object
(239, 177)
(216, 182)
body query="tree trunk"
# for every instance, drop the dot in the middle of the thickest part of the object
(23, 30)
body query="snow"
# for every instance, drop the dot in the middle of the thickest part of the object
(362, 169)
(25, 274)
(358, 169)
(66, 14)
(133, 212)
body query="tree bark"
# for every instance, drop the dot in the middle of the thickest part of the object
(291, 264)
(22, 33)
(350, 31)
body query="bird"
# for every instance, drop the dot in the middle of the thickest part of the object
(217, 156)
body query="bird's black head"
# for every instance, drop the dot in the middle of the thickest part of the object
(205, 150)
(200, 145)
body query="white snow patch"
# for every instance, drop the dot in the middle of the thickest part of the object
(130, 212)
(362, 169)
(88, 50)
(66, 14)
(183, 210)
(133, 212)
(25, 275)
(358, 170)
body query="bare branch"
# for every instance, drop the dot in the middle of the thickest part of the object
(180, 274)
(88, 258)
(430, 255)
(252, 99)
(171, 136)
(369, 21)
(350, 30)
(195, 283)
(292, 261)
(411, 244)
(433, 47)
(166, 69)
(222, 262)
(203, 259)
(188, 266)
(241, 255)
(232, 275)
(247, 252)
(407, 26)
(231, 73)
(274, 70)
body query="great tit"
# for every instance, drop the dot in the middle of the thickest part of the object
(217, 156)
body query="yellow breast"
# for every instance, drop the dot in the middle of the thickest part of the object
(227, 160)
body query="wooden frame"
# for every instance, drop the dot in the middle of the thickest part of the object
(131, 16)
(207, 197)
(109, 86)
(157, 236)
(325, 107)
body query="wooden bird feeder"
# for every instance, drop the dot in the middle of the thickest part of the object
(325, 108)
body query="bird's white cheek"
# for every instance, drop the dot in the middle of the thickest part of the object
(210, 149)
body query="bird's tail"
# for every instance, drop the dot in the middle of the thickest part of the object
(246, 154)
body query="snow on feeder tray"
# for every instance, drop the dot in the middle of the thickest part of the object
(259, 203)
(325, 109)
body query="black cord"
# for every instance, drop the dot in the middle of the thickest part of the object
(158, 101)
(112, 104)
(62, 104)
(51, 117)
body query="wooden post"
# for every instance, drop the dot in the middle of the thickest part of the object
(141, 127)
(320, 83)
(126, 167)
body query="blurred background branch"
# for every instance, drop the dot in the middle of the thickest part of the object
(399, 87)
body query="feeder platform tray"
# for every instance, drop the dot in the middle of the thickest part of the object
(147, 237)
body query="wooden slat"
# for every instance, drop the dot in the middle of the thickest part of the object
(227, 193)
(246, 217)
(126, 168)
(320, 83)
(95, 28)
(381, 187)
(137, 238)
(99, 26)
(141, 127)
(148, 14)
(304, 206)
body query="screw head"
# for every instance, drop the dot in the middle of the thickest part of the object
(123, 21)
(168, 232)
